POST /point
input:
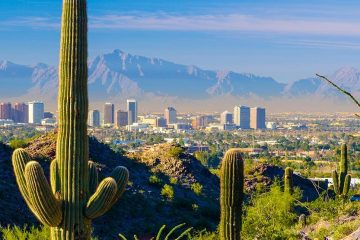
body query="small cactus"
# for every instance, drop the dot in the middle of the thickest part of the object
(288, 181)
(231, 195)
(342, 181)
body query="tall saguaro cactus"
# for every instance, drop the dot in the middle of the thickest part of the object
(342, 181)
(74, 197)
(231, 195)
(288, 180)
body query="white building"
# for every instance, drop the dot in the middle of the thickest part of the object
(36, 112)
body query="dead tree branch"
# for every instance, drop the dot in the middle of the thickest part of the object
(342, 91)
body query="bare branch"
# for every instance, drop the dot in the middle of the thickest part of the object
(342, 91)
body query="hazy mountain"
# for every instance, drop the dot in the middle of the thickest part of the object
(347, 78)
(118, 75)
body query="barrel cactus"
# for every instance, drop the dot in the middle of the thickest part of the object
(231, 195)
(342, 181)
(74, 197)
(288, 180)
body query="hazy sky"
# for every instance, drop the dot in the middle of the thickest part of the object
(287, 40)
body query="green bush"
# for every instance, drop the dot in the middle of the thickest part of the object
(25, 233)
(155, 180)
(17, 143)
(197, 188)
(176, 152)
(271, 215)
(168, 192)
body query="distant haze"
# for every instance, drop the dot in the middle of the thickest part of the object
(158, 83)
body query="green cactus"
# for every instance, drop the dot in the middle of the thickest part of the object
(288, 181)
(342, 181)
(74, 196)
(231, 195)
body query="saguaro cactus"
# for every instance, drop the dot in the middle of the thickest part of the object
(74, 197)
(231, 195)
(288, 180)
(342, 181)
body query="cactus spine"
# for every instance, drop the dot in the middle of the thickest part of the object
(74, 197)
(342, 181)
(231, 195)
(288, 180)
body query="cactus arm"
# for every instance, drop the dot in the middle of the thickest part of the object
(99, 202)
(19, 160)
(55, 179)
(335, 179)
(93, 177)
(347, 185)
(231, 195)
(46, 207)
(121, 176)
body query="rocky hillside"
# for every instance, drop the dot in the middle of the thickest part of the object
(263, 175)
(142, 209)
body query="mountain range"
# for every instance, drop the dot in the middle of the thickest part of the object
(118, 75)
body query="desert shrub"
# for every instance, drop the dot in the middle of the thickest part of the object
(176, 152)
(197, 188)
(25, 233)
(155, 180)
(17, 143)
(271, 215)
(168, 192)
(173, 181)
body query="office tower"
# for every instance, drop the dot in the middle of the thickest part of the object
(122, 118)
(257, 117)
(21, 113)
(199, 122)
(161, 122)
(5, 111)
(132, 109)
(36, 112)
(94, 118)
(170, 115)
(226, 118)
(109, 111)
(242, 117)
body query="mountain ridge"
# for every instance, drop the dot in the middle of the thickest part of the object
(118, 75)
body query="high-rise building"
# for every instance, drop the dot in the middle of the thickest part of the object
(242, 117)
(226, 118)
(257, 117)
(170, 115)
(199, 122)
(122, 118)
(21, 113)
(132, 109)
(161, 122)
(36, 112)
(109, 112)
(94, 118)
(5, 111)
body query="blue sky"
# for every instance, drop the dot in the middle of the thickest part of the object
(287, 40)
